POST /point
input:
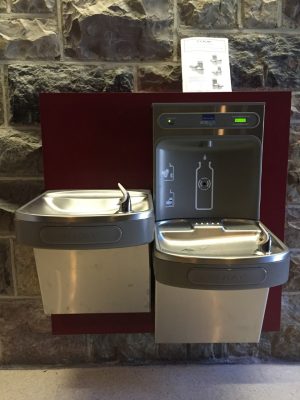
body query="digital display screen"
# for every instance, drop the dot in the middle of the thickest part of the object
(240, 120)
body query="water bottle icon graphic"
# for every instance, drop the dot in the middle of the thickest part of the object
(204, 185)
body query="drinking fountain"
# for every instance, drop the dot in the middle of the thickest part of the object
(214, 261)
(91, 249)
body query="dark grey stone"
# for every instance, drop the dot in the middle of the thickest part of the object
(26, 82)
(293, 283)
(293, 189)
(232, 352)
(291, 13)
(172, 352)
(123, 347)
(206, 352)
(33, 6)
(115, 31)
(26, 39)
(251, 352)
(3, 5)
(295, 116)
(134, 348)
(286, 343)
(26, 275)
(296, 100)
(294, 142)
(292, 231)
(20, 153)
(260, 14)
(163, 78)
(13, 194)
(1, 100)
(208, 13)
(20, 191)
(25, 336)
(265, 61)
(294, 146)
(6, 281)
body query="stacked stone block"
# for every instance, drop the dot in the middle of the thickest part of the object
(121, 46)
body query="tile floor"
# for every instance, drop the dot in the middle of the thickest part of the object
(163, 382)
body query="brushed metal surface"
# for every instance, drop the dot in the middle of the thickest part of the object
(217, 240)
(89, 204)
(208, 316)
(94, 281)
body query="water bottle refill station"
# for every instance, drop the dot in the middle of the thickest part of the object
(214, 261)
(209, 160)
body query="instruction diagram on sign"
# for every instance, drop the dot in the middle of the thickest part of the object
(205, 65)
(204, 185)
(168, 173)
(170, 202)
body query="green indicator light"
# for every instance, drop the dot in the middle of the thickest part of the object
(240, 120)
(171, 121)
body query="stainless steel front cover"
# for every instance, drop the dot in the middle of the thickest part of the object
(94, 281)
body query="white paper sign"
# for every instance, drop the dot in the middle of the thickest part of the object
(205, 65)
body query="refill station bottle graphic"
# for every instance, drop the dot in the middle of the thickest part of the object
(204, 185)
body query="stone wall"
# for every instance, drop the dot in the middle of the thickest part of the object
(126, 45)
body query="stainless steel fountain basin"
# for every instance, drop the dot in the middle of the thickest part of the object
(84, 203)
(222, 254)
(82, 219)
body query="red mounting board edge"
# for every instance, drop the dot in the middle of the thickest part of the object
(93, 141)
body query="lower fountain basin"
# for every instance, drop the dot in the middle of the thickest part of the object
(222, 254)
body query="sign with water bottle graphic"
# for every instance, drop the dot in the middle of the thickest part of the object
(204, 185)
